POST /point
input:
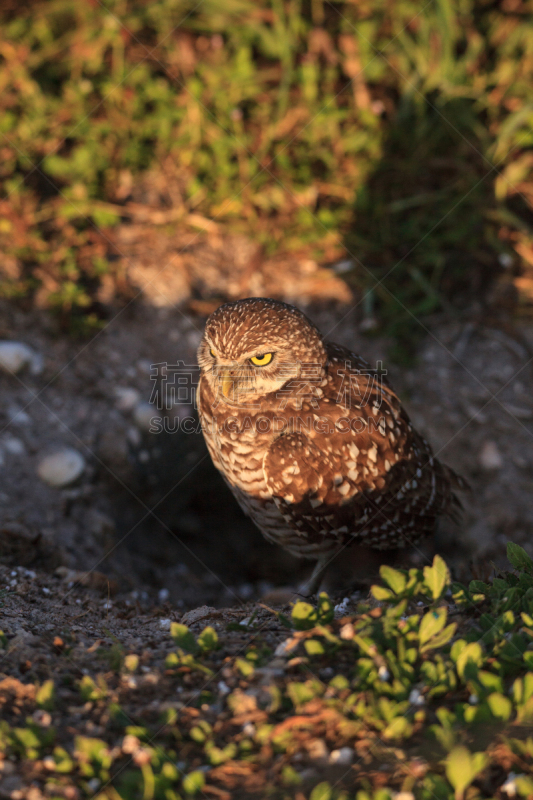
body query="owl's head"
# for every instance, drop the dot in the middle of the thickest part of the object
(255, 346)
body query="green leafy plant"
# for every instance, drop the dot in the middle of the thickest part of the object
(462, 767)
(305, 126)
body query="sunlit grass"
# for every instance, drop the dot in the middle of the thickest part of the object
(401, 130)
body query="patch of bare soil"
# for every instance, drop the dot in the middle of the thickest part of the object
(94, 571)
(150, 512)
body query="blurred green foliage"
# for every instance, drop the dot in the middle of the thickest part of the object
(400, 128)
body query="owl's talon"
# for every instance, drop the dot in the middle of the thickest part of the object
(310, 588)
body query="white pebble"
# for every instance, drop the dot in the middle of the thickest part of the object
(473, 699)
(343, 266)
(126, 398)
(347, 631)
(343, 757)
(415, 698)
(383, 673)
(14, 356)
(61, 468)
(286, 647)
(14, 446)
(490, 457)
(164, 624)
(223, 688)
(17, 416)
(163, 595)
(506, 260)
(143, 414)
(46, 590)
(248, 729)
(342, 608)
(509, 787)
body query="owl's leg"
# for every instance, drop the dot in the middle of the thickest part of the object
(312, 585)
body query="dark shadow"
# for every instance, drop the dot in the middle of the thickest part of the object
(426, 221)
(198, 543)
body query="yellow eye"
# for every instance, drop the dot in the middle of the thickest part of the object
(212, 354)
(263, 360)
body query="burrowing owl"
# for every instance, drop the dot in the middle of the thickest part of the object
(313, 443)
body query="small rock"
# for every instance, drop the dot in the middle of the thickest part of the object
(17, 416)
(14, 446)
(164, 624)
(416, 698)
(134, 437)
(347, 631)
(490, 457)
(61, 468)
(199, 613)
(126, 398)
(163, 595)
(509, 787)
(143, 414)
(343, 266)
(343, 757)
(29, 573)
(368, 324)
(286, 647)
(42, 718)
(341, 609)
(23, 640)
(14, 356)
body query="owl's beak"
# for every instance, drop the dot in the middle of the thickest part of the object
(233, 380)
(228, 383)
